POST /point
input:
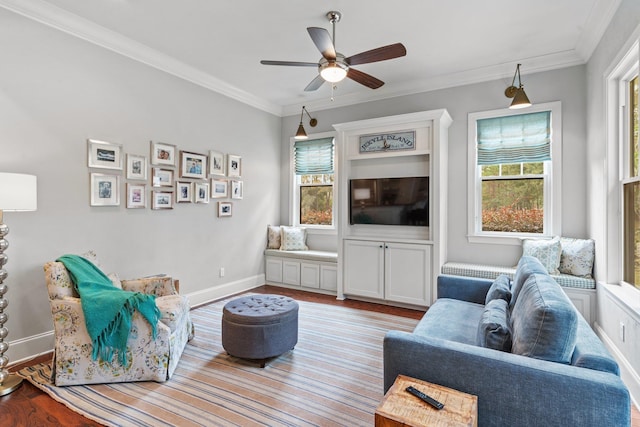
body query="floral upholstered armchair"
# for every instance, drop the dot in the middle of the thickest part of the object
(148, 359)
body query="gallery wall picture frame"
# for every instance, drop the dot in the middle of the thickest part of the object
(104, 155)
(224, 209)
(236, 189)
(161, 177)
(136, 167)
(136, 196)
(217, 164)
(184, 192)
(234, 166)
(105, 190)
(163, 154)
(219, 188)
(193, 165)
(161, 200)
(201, 192)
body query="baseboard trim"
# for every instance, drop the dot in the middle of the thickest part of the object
(24, 349)
(627, 373)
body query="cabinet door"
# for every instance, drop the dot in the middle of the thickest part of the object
(291, 272)
(310, 275)
(273, 269)
(328, 277)
(364, 268)
(407, 273)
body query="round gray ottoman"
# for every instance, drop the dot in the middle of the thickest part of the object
(260, 326)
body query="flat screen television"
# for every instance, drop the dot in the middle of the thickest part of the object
(390, 201)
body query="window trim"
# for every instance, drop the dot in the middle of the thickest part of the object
(552, 187)
(294, 205)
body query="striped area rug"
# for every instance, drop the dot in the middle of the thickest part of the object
(332, 378)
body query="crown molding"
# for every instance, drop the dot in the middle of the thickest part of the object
(52, 16)
(599, 19)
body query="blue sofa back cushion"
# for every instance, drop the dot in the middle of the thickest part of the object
(494, 329)
(544, 323)
(527, 266)
(500, 289)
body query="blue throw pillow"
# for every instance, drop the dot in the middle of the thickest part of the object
(500, 289)
(494, 330)
(544, 322)
(527, 266)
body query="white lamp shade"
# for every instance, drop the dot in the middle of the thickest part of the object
(18, 192)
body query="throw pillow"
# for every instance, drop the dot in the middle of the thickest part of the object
(500, 289)
(547, 251)
(273, 237)
(577, 256)
(544, 322)
(494, 330)
(293, 239)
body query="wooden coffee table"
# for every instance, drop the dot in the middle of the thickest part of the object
(399, 408)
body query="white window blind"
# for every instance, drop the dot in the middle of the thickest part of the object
(314, 156)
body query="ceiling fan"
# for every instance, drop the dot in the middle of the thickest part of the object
(334, 66)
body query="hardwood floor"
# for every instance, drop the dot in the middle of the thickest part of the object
(28, 406)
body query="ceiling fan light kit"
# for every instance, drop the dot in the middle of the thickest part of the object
(334, 67)
(520, 99)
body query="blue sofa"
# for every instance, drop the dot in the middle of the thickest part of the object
(532, 361)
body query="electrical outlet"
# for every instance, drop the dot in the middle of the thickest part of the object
(221, 271)
(621, 332)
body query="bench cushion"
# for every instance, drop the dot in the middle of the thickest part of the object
(311, 255)
(486, 271)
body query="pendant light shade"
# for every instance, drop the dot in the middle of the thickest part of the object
(301, 133)
(520, 99)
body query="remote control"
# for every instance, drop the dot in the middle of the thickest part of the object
(430, 400)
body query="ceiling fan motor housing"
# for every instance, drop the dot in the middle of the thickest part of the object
(333, 70)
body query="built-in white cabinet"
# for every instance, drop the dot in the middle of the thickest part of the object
(301, 273)
(398, 272)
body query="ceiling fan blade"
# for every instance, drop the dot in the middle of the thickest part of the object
(364, 78)
(315, 84)
(380, 54)
(290, 63)
(323, 42)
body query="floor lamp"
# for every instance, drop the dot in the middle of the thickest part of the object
(18, 192)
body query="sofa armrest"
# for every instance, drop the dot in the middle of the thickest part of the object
(154, 285)
(472, 289)
(512, 390)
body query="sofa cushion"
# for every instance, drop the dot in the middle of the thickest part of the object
(500, 289)
(543, 321)
(526, 267)
(451, 320)
(577, 256)
(494, 330)
(547, 251)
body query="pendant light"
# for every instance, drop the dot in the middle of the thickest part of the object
(520, 99)
(301, 134)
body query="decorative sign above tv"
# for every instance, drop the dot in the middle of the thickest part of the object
(394, 141)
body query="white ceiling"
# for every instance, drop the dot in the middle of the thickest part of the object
(218, 44)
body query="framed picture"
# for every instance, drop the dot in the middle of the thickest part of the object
(136, 167)
(105, 155)
(234, 166)
(216, 163)
(162, 177)
(219, 188)
(236, 189)
(105, 190)
(224, 208)
(184, 191)
(163, 154)
(136, 196)
(193, 165)
(161, 200)
(201, 192)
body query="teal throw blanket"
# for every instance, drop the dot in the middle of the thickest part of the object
(107, 309)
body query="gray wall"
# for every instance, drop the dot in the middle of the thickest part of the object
(566, 85)
(55, 92)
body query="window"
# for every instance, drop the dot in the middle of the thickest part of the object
(631, 181)
(313, 183)
(514, 180)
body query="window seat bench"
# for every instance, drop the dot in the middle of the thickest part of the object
(580, 290)
(312, 270)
